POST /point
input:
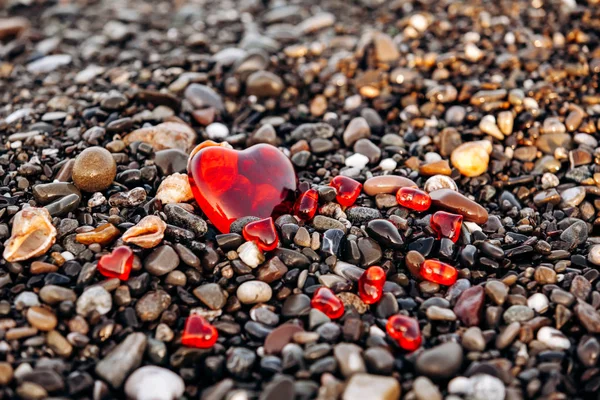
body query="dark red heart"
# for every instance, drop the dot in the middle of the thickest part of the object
(117, 264)
(263, 233)
(228, 184)
(198, 332)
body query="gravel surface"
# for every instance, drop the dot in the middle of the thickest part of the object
(454, 144)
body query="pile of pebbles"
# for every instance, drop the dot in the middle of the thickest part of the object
(102, 101)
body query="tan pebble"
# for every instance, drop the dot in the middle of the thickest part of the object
(20, 333)
(40, 267)
(472, 158)
(506, 120)
(59, 344)
(168, 135)
(147, 233)
(488, 125)
(175, 189)
(386, 184)
(103, 235)
(94, 169)
(41, 318)
(6, 373)
(440, 167)
(32, 235)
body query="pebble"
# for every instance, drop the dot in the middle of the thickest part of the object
(264, 84)
(161, 261)
(250, 254)
(202, 96)
(553, 338)
(211, 295)
(124, 358)
(177, 215)
(486, 387)
(518, 313)
(48, 63)
(425, 389)
(358, 128)
(372, 387)
(175, 189)
(594, 254)
(94, 299)
(454, 202)
(94, 169)
(252, 292)
(473, 340)
(240, 362)
(472, 158)
(151, 305)
(41, 318)
(440, 362)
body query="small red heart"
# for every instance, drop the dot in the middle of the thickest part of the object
(198, 332)
(117, 264)
(228, 184)
(262, 232)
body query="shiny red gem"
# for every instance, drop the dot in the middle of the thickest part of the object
(198, 332)
(438, 272)
(446, 225)
(229, 184)
(347, 190)
(327, 302)
(413, 199)
(117, 264)
(306, 205)
(405, 331)
(370, 285)
(263, 233)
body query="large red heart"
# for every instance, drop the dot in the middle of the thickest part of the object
(228, 184)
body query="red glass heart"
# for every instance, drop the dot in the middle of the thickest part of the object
(370, 285)
(413, 199)
(228, 184)
(447, 225)
(198, 332)
(306, 205)
(263, 233)
(438, 272)
(117, 264)
(405, 331)
(347, 190)
(327, 302)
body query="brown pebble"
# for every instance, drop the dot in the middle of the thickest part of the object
(6, 373)
(441, 167)
(413, 261)
(386, 184)
(40, 267)
(454, 202)
(41, 318)
(20, 333)
(279, 337)
(94, 169)
(103, 235)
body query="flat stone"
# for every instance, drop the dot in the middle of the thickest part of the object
(161, 261)
(211, 295)
(154, 383)
(372, 387)
(440, 362)
(124, 358)
(454, 202)
(152, 304)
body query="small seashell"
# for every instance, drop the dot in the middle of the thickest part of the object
(168, 135)
(438, 182)
(175, 189)
(32, 235)
(148, 233)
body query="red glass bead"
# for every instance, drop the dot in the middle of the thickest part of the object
(117, 264)
(405, 331)
(262, 232)
(306, 205)
(347, 190)
(327, 302)
(438, 272)
(230, 184)
(413, 198)
(446, 225)
(370, 285)
(198, 332)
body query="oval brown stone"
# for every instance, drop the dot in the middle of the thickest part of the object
(94, 169)
(454, 202)
(279, 337)
(41, 318)
(386, 184)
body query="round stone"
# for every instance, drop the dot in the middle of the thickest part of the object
(153, 383)
(472, 158)
(252, 292)
(94, 299)
(94, 169)
(41, 318)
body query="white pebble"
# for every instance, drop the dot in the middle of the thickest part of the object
(250, 254)
(357, 160)
(594, 255)
(432, 157)
(252, 292)
(549, 180)
(553, 338)
(388, 164)
(26, 299)
(95, 298)
(217, 130)
(538, 302)
(154, 383)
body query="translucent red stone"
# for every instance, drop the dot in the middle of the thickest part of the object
(405, 331)
(198, 332)
(347, 189)
(413, 198)
(370, 285)
(229, 184)
(447, 225)
(263, 233)
(306, 205)
(117, 264)
(438, 272)
(327, 302)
